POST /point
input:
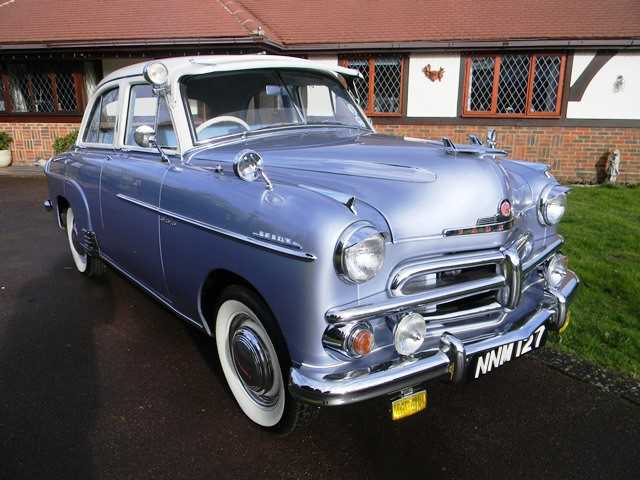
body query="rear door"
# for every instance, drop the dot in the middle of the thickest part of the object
(130, 190)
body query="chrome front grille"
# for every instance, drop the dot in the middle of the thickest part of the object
(480, 277)
(506, 282)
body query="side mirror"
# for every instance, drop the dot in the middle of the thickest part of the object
(145, 136)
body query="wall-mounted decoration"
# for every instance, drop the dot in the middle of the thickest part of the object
(433, 75)
(618, 85)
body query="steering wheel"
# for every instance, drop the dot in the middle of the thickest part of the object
(222, 119)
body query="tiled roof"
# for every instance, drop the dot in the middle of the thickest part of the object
(360, 21)
(298, 23)
(39, 21)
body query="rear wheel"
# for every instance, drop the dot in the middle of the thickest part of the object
(255, 362)
(85, 264)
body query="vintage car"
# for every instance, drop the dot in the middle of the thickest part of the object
(251, 196)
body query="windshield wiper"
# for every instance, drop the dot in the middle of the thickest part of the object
(336, 123)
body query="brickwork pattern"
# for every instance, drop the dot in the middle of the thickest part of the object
(576, 154)
(33, 141)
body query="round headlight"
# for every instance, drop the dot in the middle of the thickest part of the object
(553, 203)
(156, 73)
(360, 252)
(409, 334)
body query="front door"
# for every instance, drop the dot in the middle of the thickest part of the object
(130, 189)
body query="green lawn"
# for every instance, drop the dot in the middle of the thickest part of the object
(602, 233)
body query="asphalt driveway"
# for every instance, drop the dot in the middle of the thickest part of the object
(99, 381)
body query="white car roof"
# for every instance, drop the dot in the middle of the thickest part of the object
(179, 66)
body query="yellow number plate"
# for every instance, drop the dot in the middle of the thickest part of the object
(405, 406)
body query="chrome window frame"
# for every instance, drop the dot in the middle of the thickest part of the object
(97, 95)
(125, 147)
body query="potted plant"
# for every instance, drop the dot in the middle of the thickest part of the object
(65, 142)
(5, 153)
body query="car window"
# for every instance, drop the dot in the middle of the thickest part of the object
(226, 103)
(102, 124)
(322, 99)
(143, 110)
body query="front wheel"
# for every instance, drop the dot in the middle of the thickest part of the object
(85, 264)
(255, 361)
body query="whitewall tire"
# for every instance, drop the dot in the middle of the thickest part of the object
(85, 264)
(257, 386)
(255, 361)
(79, 259)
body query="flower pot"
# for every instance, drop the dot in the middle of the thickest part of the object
(5, 158)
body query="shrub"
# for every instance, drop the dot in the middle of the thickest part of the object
(5, 140)
(65, 142)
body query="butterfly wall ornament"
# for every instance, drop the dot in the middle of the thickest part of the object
(433, 75)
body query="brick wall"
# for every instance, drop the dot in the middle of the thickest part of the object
(576, 154)
(33, 141)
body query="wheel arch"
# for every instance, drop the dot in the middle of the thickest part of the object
(61, 207)
(211, 289)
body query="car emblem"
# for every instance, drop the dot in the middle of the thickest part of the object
(496, 223)
(505, 208)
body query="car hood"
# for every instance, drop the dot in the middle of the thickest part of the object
(419, 188)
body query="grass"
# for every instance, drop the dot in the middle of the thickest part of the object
(602, 233)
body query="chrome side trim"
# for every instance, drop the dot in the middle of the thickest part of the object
(305, 256)
(395, 304)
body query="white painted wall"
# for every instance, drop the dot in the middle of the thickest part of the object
(111, 64)
(600, 99)
(326, 60)
(433, 99)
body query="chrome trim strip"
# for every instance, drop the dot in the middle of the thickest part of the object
(544, 255)
(395, 304)
(308, 257)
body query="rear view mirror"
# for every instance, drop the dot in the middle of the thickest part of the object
(145, 136)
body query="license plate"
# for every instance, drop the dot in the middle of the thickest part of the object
(408, 405)
(488, 361)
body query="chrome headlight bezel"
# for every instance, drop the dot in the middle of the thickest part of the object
(552, 196)
(353, 236)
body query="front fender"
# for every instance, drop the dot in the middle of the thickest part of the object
(61, 186)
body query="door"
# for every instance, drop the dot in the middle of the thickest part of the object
(84, 166)
(130, 190)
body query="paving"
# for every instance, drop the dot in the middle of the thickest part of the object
(97, 380)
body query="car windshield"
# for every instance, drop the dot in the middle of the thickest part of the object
(227, 103)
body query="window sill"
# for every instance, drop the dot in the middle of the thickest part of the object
(40, 117)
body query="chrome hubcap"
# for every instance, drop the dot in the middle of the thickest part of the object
(252, 363)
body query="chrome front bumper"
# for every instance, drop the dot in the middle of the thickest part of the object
(452, 358)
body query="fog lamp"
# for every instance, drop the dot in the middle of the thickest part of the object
(409, 333)
(556, 270)
(156, 73)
